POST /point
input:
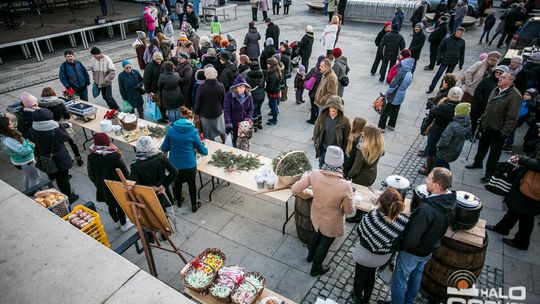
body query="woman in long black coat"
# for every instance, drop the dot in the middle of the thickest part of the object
(387, 27)
(251, 41)
(305, 46)
(521, 208)
(131, 85)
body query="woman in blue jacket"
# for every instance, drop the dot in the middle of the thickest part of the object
(181, 141)
(395, 94)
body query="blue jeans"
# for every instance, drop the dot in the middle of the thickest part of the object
(273, 103)
(83, 93)
(173, 114)
(151, 35)
(440, 72)
(407, 277)
(431, 146)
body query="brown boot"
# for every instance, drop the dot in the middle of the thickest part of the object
(430, 161)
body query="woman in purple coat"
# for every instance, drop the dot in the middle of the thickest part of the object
(237, 106)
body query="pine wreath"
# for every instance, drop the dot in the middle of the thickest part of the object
(292, 164)
(234, 162)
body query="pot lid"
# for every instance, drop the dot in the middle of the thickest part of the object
(398, 182)
(422, 190)
(467, 199)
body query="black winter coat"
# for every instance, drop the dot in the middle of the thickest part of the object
(193, 20)
(428, 224)
(437, 36)
(102, 167)
(24, 122)
(417, 43)
(251, 41)
(417, 15)
(228, 75)
(129, 85)
(169, 90)
(273, 83)
(391, 44)
(267, 53)
(305, 46)
(56, 106)
(490, 22)
(53, 140)
(515, 200)
(441, 116)
(452, 51)
(521, 81)
(484, 88)
(209, 99)
(151, 77)
(255, 79)
(272, 31)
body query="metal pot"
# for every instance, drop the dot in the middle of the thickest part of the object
(419, 195)
(400, 183)
(468, 208)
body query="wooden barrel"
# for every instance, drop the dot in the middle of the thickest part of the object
(302, 218)
(451, 256)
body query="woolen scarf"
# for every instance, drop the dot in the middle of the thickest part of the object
(103, 150)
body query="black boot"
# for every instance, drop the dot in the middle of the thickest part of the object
(430, 161)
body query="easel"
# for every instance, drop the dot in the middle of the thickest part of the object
(146, 213)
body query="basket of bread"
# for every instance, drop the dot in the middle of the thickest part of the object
(53, 200)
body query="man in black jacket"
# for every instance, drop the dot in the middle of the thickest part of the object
(391, 44)
(272, 32)
(229, 72)
(305, 46)
(451, 52)
(435, 40)
(151, 77)
(417, 43)
(418, 14)
(481, 95)
(191, 17)
(427, 225)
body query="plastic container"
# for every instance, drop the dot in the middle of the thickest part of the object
(95, 228)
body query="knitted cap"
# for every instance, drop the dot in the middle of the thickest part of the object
(183, 37)
(517, 58)
(495, 55)
(532, 92)
(334, 156)
(144, 144)
(28, 100)
(215, 18)
(183, 55)
(225, 56)
(230, 37)
(463, 109)
(483, 56)
(101, 139)
(502, 68)
(301, 69)
(337, 52)
(125, 62)
(269, 41)
(309, 29)
(455, 94)
(157, 56)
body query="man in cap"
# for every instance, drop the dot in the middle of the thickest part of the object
(417, 43)
(73, 75)
(497, 122)
(151, 77)
(229, 70)
(435, 39)
(451, 53)
(272, 31)
(103, 71)
(476, 72)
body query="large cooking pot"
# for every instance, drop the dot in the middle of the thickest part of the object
(400, 183)
(468, 208)
(419, 195)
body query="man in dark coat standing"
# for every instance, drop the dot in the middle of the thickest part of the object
(451, 52)
(229, 72)
(272, 32)
(305, 46)
(390, 46)
(191, 17)
(417, 43)
(267, 53)
(151, 77)
(73, 75)
(435, 40)
(418, 14)
(497, 122)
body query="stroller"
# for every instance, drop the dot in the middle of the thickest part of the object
(295, 57)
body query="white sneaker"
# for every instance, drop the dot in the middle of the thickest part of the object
(128, 225)
(117, 225)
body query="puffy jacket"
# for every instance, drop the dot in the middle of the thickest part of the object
(53, 140)
(341, 69)
(255, 79)
(209, 99)
(102, 167)
(236, 112)
(452, 51)
(169, 90)
(56, 106)
(391, 44)
(438, 34)
(251, 41)
(428, 224)
(151, 77)
(273, 83)
(150, 21)
(181, 141)
(228, 75)
(398, 88)
(24, 121)
(103, 70)
(417, 43)
(19, 153)
(267, 53)
(305, 45)
(343, 127)
(453, 138)
(502, 110)
(129, 83)
(74, 76)
(273, 32)
(442, 115)
(398, 18)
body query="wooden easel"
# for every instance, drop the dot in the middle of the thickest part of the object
(143, 213)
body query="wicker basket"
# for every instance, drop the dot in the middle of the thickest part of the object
(226, 299)
(129, 126)
(259, 292)
(287, 180)
(204, 289)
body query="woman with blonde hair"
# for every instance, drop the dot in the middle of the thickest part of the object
(329, 36)
(365, 153)
(378, 235)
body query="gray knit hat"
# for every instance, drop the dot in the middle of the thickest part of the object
(502, 68)
(145, 145)
(334, 156)
(269, 41)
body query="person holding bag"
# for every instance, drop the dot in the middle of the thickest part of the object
(523, 202)
(131, 85)
(379, 233)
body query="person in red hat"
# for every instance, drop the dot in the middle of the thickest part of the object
(404, 54)
(341, 69)
(103, 160)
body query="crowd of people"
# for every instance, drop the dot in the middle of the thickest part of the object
(205, 86)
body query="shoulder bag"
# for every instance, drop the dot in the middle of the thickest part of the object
(46, 163)
(530, 184)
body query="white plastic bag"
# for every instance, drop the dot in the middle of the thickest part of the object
(228, 141)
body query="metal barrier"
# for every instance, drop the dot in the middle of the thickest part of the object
(71, 35)
(376, 11)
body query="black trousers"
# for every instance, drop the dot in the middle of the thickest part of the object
(477, 109)
(116, 212)
(62, 181)
(314, 109)
(505, 38)
(376, 62)
(305, 62)
(106, 93)
(74, 147)
(318, 249)
(384, 67)
(364, 280)
(254, 14)
(285, 9)
(275, 11)
(186, 175)
(391, 111)
(433, 51)
(265, 15)
(492, 141)
(526, 226)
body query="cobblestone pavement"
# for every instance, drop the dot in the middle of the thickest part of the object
(337, 284)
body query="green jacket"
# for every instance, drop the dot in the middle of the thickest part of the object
(215, 27)
(18, 153)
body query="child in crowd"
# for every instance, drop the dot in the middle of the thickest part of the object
(299, 84)
(453, 138)
(488, 25)
(215, 26)
(528, 108)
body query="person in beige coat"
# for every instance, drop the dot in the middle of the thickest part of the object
(475, 73)
(328, 85)
(332, 200)
(103, 70)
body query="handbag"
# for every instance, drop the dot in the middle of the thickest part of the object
(385, 271)
(426, 125)
(125, 107)
(379, 104)
(46, 163)
(344, 81)
(151, 111)
(501, 180)
(95, 90)
(310, 83)
(530, 184)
